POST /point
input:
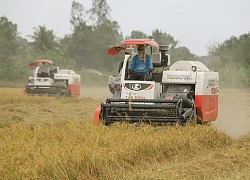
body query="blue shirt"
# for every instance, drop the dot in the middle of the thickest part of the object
(140, 66)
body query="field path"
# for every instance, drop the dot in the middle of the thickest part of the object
(234, 113)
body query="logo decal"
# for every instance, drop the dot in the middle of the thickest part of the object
(180, 77)
(136, 87)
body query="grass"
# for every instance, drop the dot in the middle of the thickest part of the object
(54, 138)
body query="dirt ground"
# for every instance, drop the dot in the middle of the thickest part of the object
(234, 109)
(234, 113)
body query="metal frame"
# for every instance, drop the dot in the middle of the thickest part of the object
(144, 110)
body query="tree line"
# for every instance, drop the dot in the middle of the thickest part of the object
(93, 30)
(234, 67)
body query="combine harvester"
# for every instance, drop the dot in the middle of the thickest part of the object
(177, 94)
(49, 80)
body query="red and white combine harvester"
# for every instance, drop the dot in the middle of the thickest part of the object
(183, 92)
(48, 79)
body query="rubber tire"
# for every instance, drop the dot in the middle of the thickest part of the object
(64, 92)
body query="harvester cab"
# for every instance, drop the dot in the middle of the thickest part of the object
(180, 93)
(48, 79)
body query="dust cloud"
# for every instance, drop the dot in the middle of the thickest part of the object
(95, 92)
(234, 113)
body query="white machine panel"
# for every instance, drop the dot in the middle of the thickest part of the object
(179, 77)
(207, 83)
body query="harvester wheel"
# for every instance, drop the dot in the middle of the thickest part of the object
(192, 119)
(64, 92)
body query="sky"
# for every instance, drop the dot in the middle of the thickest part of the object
(195, 24)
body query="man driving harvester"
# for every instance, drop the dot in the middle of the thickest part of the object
(140, 65)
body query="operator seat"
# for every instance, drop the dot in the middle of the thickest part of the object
(43, 71)
(156, 74)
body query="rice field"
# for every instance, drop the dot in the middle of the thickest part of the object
(54, 138)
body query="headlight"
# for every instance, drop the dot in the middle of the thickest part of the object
(194, 68)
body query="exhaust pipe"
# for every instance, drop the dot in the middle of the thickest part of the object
(164, 59)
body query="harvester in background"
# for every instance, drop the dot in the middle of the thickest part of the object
(48, 79)
(179, 93)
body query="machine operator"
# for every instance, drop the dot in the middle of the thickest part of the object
(140, 65)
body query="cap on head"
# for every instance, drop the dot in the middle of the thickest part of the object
(141, 48)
